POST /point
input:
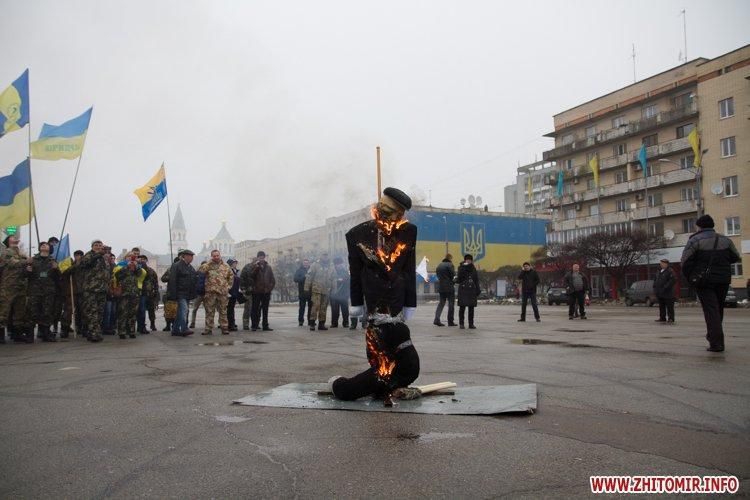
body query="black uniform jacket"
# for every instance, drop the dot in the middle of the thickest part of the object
(371, 283)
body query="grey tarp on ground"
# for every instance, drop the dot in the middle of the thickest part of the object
(480, 400)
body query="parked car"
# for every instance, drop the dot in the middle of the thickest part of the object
(731, 300)
(641, 291)
(557, 295)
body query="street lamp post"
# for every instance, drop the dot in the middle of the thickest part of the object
(445, 227)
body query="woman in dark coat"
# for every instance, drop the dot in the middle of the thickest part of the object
(468, 290)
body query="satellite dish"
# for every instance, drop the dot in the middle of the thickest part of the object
(668, 235)
(472, 200)
(717, 189)
(479, 200)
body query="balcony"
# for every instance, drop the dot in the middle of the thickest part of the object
(654, 182)
(675, 208)
(591, 220)
(637, 127)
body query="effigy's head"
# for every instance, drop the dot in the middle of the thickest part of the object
(392, 205)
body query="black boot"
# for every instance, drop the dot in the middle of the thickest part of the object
(2, 335)
(48, 336)
(153, 327)
(322, 326)
(312, 325)
(354, 324)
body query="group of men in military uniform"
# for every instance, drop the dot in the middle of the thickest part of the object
(38, 292)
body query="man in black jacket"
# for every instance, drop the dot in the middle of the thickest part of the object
(706, 263)
(382, 262)
(664, 291)
(181, 288)
(305, 298)
(529, 281)
(446, 273)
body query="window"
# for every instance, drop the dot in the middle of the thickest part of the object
(652, 169)
(654, 200)
(568, 164)
(687, 161)
(570, 213)
(684, 130)
(650, 140)
(567, 139)
(568, 188)
(732, 226)
(656, 229)
(688, 225)
(590, 184)
(619, 121)
(593, 209)
(730, 186)
(736, 269)
(591, 131)
(682, 100)
(688, 194)
(728, 147)
(726, 107)
(621, 205)
(621, 177)
(620, 149)
(650, 111)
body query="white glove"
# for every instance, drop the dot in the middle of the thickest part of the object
(357, 311)
(409, 312)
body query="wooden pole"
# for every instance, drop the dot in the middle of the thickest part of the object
(377, 155)
(73, 306)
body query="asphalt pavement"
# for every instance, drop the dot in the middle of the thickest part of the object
(152, 417)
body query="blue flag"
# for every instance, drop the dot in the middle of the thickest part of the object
(560, 183)
(642, 159)
(62, 251)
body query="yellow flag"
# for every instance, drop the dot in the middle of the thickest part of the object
(594, 165)
(529, 188)
(695, 141)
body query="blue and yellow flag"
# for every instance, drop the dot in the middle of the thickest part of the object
(62, 254)
(16, 208)
(152, 193)
(695, 142)
(57, 142)
(14, 105)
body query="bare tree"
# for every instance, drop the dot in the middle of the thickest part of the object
(616, 253)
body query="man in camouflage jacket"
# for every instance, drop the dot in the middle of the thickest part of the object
(219, 279)
(96, 278)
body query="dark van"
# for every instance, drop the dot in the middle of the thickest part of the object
(641, 291)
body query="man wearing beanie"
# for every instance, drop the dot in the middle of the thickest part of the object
(706, 262)
(382, 262)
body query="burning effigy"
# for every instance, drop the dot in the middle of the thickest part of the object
(382, 263)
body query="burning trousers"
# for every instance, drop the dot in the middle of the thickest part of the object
(394, 342)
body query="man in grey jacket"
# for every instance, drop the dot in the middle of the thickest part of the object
(446, 273)
(706, 263)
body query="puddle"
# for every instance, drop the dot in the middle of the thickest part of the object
(431, 437)
(550, 342)
(68, 368)
(234, 342)
(572, 330)
(230, 419)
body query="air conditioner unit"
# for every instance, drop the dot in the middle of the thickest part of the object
(639, 196)
(578, 207)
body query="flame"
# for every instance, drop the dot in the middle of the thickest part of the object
(386, 226)
(379, 360)
(389, 258)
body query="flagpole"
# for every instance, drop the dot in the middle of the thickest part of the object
(648, 229)
(73, 306)
(169, 221)
(75, 178)
(377, 155)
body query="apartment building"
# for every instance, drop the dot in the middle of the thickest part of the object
(659, 112)
(516, 196)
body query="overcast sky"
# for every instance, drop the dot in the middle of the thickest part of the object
(267, 114)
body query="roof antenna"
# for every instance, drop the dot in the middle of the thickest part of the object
(633, 56)
(684, 33)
